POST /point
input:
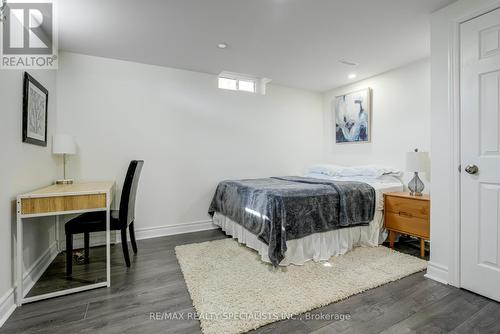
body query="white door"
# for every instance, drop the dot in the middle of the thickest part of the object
(480, 154)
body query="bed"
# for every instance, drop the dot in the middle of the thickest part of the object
(291, 220)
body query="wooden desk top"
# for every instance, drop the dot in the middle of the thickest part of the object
(58, 190)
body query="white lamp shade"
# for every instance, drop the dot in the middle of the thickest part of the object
(63, 144)
(417, 161)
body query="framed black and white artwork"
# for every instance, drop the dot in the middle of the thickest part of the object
(352, 116)
(35, 104)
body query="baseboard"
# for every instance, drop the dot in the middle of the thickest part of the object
(36, 270)
(437, 272)
(96, 239)
(7, 305)
(143, 233)
(162, 231)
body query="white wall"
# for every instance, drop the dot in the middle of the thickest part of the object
(24, 167)
(400, 118)
(190, 133)
(443, 264)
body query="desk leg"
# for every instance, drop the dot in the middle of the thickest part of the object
(58, 235)
(108, 239)
(19, 257)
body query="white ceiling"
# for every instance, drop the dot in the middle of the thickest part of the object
(296, 43)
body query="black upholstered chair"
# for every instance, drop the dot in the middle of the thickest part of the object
(96, 221)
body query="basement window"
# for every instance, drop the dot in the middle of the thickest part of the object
(226, 83)
(246, 86)
(242, 82)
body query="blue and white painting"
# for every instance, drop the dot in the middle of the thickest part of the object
(352, 117)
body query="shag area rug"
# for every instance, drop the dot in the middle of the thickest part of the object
(233, 291)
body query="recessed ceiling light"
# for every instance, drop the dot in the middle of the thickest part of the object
(222, 46)
(352, 76)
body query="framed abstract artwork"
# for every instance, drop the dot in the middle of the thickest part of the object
(35, 104)
(352, 117)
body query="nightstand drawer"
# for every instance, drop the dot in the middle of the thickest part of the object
(405, 224)
(407, 207)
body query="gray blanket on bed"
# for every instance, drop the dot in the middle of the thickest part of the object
(278, 209)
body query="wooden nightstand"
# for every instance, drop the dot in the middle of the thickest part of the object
(406, 214)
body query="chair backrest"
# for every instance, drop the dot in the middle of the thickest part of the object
(129, 192)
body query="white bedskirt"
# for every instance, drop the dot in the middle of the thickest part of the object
(317, 247)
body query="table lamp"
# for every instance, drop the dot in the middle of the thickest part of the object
(63, 144)
(416, 162)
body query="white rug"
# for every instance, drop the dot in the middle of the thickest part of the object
(233, 291)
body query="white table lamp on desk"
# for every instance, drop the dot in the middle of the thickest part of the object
(63, 144)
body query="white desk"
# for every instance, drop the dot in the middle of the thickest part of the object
(57, 200)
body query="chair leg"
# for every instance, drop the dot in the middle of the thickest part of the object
(132, 237)
(69, 254)
(125, 246)
(86, 243)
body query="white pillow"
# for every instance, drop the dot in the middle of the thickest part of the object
(370, 171)
(323, 169)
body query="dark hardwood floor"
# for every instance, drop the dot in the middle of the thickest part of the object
(55, 279)
(154, 283)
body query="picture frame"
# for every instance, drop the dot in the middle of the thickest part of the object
(35, 111)
(352, 117)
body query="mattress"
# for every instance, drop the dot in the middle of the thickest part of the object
(322, 246)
